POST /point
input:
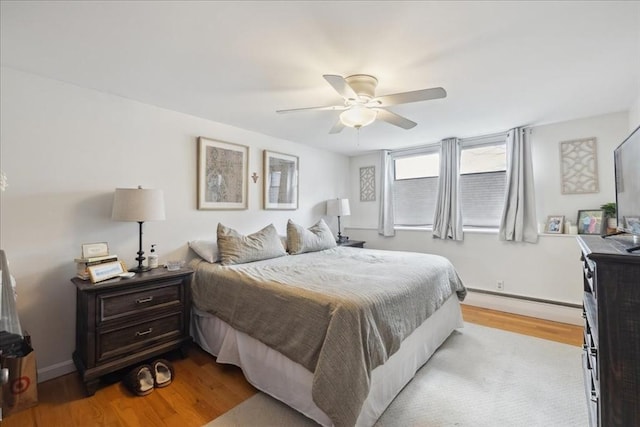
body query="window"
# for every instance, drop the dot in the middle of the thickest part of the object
(483, 165)
(415, 187)
(482, 184)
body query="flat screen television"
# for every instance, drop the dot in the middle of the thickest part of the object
(627, 165)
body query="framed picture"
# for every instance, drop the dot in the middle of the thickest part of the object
(591, 221)
(632, 223)
(105, 271)
(92, 250)
(222, 175)
(579, 166)
(280, 181)
(554, 224)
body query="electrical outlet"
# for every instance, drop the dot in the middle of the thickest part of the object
(500, 285)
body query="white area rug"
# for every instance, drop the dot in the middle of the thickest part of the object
(479, 377)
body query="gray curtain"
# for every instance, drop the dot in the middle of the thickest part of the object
(519, 222)
(447, 221)
(385, 220)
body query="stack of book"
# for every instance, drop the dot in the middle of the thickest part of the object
(83, 264)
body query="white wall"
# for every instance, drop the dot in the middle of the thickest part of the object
(548, 270)
(634, 115)
(65, 149)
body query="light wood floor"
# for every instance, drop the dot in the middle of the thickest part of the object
(202, 389)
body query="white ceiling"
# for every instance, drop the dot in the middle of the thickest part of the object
(503, 64)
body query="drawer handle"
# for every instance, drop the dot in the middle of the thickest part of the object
(142, 333)
(144, 300)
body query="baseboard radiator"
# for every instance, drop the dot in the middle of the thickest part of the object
(557, 311)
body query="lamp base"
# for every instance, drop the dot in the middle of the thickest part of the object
(140, 269)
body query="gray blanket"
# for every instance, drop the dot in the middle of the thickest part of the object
(340, 312)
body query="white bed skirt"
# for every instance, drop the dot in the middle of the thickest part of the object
(277, 375)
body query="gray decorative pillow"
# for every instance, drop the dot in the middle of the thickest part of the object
(235, 248)
(316, 238)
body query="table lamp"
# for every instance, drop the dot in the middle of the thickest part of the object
(338, 207)
(138, 205)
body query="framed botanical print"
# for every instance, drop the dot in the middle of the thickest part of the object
(222, 175)
(280, 181)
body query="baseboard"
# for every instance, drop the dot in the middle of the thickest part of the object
(541, 310)
(59, 369)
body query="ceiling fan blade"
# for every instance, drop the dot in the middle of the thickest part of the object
(406, 97)
(326, 108)
(337, 128)
(341, 86)
(395, 119)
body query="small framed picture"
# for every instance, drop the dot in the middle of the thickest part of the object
(105, 271)
(591, 221)
(92, 250)
(632, 224)
(554, 224)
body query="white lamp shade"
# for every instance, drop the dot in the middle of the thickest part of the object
(138, 204)
(338, 207)
(358, 116)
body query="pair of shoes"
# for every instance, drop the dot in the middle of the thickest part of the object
(163, 373)
(142, 380)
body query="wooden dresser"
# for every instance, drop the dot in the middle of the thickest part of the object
(122, 322)
(611, 357)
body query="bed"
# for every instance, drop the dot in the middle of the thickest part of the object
(333, 333)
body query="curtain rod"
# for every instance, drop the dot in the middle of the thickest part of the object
(473, 138)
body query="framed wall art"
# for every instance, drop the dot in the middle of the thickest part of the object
(222, 175)
(591, 221)
(579, 166)
(368, 184)
(280, 181)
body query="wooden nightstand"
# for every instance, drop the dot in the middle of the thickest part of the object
(353, 243)
(123, 322)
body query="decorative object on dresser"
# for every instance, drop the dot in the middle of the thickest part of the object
(339, 207)
(223, 173)
(280, 181)
(352, 243)
(120, 323)
(591, 221)
(138, 205)
(611, 357)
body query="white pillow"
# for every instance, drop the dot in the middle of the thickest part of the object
(316, 238)
(236, 248)
(206, 249)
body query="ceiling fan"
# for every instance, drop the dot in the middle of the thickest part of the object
(361, 107)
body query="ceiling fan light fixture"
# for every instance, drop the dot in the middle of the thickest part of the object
(358, 116)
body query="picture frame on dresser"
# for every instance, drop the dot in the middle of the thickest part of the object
(591, 221)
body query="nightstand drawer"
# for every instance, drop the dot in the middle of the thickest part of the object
(126, 302)
(130, 338)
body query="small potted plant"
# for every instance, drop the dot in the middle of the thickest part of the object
(610, 212)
